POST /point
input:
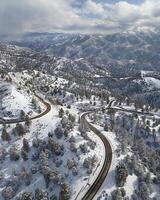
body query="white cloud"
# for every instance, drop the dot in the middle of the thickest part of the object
(124, 11)
(92, 7)
(38, 15)
(60, 15)
(146, 14)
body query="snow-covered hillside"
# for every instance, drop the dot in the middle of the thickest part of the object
(130, 50)
(56, 144)
(16, 101)
(58, 89)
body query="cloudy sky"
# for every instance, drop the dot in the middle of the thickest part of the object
(84, 16)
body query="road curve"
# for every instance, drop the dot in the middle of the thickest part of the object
(47, 110)
(107, 163)
(108, 150)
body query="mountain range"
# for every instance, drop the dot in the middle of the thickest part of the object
(129, 52)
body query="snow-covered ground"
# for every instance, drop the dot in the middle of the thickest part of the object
(19, 100)
(16, 100)
(109, 184)
(83, 183)
(149, 77)
(152, 83)
(132, 181)
(40, 128)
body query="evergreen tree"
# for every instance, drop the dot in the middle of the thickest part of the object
(117, 195)
(59, 132)
(144, 191)
(25, 145)
(41, 195)
(13, 153)
(61, 113)
(27, 121)
(5, 135)
(20, 129)
(121, 174)
(8, 193)
(71, 118)
(24, 154)
(34, 102)
(106, 127)
(26, 196)
(65, 192)
(22, 114)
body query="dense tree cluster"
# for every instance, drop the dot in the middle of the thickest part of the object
(89, 163)
(20, 130)
(5, 135)
(65, 192)
(14, 154)
(121, 174)
(55, 147)
(59, 132)
(119, 194)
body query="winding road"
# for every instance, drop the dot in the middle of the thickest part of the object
(108, 150)
(107, 162)
(46, 111)
(94, 188)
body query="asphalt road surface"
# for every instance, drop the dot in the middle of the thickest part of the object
(107, 162)
(47, 110)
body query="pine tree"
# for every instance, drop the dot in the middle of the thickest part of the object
(22, 114)
(26, 196)
(71, 118)
(66, 133)
(24, 154)
(154, 135)
(59, 132)
(65, 192)
(121, 174)
(7, 193)
(20, 129)
(106, 127)
(27, 121)
(39, 109)
(41, 194)
(117, 195)
(14, 153)
(61, 113)
(5, 135)
(34, 102)
(144, 191)
(25, 145)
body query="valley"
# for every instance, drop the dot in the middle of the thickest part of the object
(71, 128)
